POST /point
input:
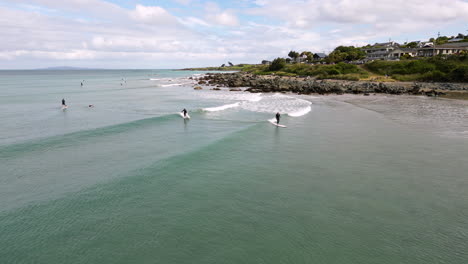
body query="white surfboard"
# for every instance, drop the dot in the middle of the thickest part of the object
(184, 117)
(64, 107)
(273, 122)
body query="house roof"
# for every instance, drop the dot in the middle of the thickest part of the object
(453, 45)
(380, 52)
(391, 43)
(456, 45)
(406, 50)
(455, 40)
(320, 55)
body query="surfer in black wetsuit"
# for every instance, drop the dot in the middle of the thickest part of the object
(63, 102)
(278, 117)
(184, 112)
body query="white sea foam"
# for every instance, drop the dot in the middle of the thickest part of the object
(154, 79)
(256, 102)
(279, 103)
(255, 97)
(233, 96)
(301, 112)
(173, 84)
(221, 108)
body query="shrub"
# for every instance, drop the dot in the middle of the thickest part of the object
(434, 76)
(333, 71)
(277, 64)
(459, 74)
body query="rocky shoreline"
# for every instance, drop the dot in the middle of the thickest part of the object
(308, 85)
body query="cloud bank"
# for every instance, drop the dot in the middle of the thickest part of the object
(186, 33)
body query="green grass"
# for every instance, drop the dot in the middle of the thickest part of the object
(340, 71)
(437, 69)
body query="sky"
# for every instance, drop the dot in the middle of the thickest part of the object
(164, 34)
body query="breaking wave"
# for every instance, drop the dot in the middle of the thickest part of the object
(257, 102)
(280, 103)
(221, 108)
(300, 112)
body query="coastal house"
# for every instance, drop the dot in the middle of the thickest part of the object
(380, 51)
(266, 62)
(301, 59)
(419, 44)
(454, 40)
(427, 44)
(319, 56)
(400, 52)
(444, 49)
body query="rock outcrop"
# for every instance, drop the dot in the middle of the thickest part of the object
(260, 83)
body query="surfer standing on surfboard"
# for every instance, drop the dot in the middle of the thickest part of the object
(63, 102)
(278, 117)
(184, 112)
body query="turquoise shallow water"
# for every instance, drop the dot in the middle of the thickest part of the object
(355, 180)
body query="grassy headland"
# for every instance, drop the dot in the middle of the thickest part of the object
(436, 69)
(340, 71)
(449, 69)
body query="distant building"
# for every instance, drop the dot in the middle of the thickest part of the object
(319, 56)
(266, 62)
(400, 52)
(301, 59)
(444, 49)
(427, 44)
(419, 44)
(454, 40)
(380, 51)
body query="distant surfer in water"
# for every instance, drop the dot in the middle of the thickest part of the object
(63, 102)
(278, 118)
(184, 112)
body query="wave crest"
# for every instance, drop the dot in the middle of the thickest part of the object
(221, 108)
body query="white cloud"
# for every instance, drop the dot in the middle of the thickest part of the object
(152, 15)
(226, 18)
(103, 34)
(313, 12)
(193, 22)
(215, 15)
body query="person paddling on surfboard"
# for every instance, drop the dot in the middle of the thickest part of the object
(184, 112)
(278, 117)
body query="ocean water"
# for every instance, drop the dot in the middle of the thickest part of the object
(352, 179)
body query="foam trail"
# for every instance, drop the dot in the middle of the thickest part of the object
(220, 108)
(301, 112)
(256, 98)
(154, 79)
(173, 84)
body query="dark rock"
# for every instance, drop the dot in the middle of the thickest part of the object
(258, 83)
